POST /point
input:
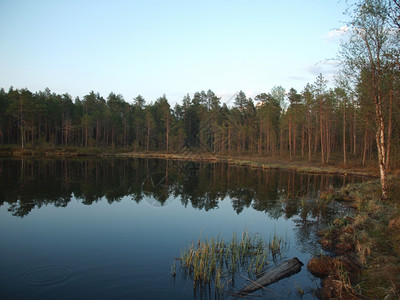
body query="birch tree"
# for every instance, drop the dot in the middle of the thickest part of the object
(370, 49)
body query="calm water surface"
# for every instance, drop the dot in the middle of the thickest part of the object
(110, 228)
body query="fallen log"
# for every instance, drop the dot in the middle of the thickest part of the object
(285, 269)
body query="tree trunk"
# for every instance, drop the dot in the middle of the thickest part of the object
(381, 144)
(244, 141)
(167, 133)
(97, 132)
(148, 137)
(125, 134)
(309, 135)
(316, 141)
(365, 146)
(302, 140)
(22, 126)
(327, 140)
(229, 139)
(290, 138)
(354, 134)
(321, 123)
(285, 269)
(344, 133)
(281, 142)
(389, 133)
(112, 137)
(294, 138)
(86, 135)
(260, 138)
(269, 148)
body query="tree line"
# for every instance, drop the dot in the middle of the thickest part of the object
(358, 118)
(316, 123)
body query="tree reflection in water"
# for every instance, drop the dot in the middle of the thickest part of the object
(26, 184)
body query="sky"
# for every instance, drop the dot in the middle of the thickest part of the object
(171, 47)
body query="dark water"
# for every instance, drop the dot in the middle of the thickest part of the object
(110, 228)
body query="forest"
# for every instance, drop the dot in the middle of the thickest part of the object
(356, 119)
(316, 123)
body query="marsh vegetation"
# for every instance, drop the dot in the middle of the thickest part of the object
(213, 262)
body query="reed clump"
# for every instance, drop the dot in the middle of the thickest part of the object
(210, 261)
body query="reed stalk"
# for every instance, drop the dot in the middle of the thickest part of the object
(212, 260)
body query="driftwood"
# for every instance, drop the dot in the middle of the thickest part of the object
(285, 269)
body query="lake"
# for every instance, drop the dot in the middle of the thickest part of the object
(92, 228)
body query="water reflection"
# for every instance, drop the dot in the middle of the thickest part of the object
(111, 251)
(26, 184)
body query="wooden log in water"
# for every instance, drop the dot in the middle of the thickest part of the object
(285, 269)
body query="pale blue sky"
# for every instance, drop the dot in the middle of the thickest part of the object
(154, 47)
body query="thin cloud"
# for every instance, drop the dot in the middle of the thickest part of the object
(298, 78)
(335, 34)
(226, 97)
(324, 67)
(328, 68)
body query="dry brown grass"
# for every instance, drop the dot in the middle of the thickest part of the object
(375, 233)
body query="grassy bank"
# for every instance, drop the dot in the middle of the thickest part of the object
(366, 244)
(50, 151)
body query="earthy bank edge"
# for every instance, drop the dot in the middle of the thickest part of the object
(258, 162)
(366, 245)
(250, 161)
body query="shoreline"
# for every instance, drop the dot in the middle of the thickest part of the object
(298, 164)
(266, 163)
